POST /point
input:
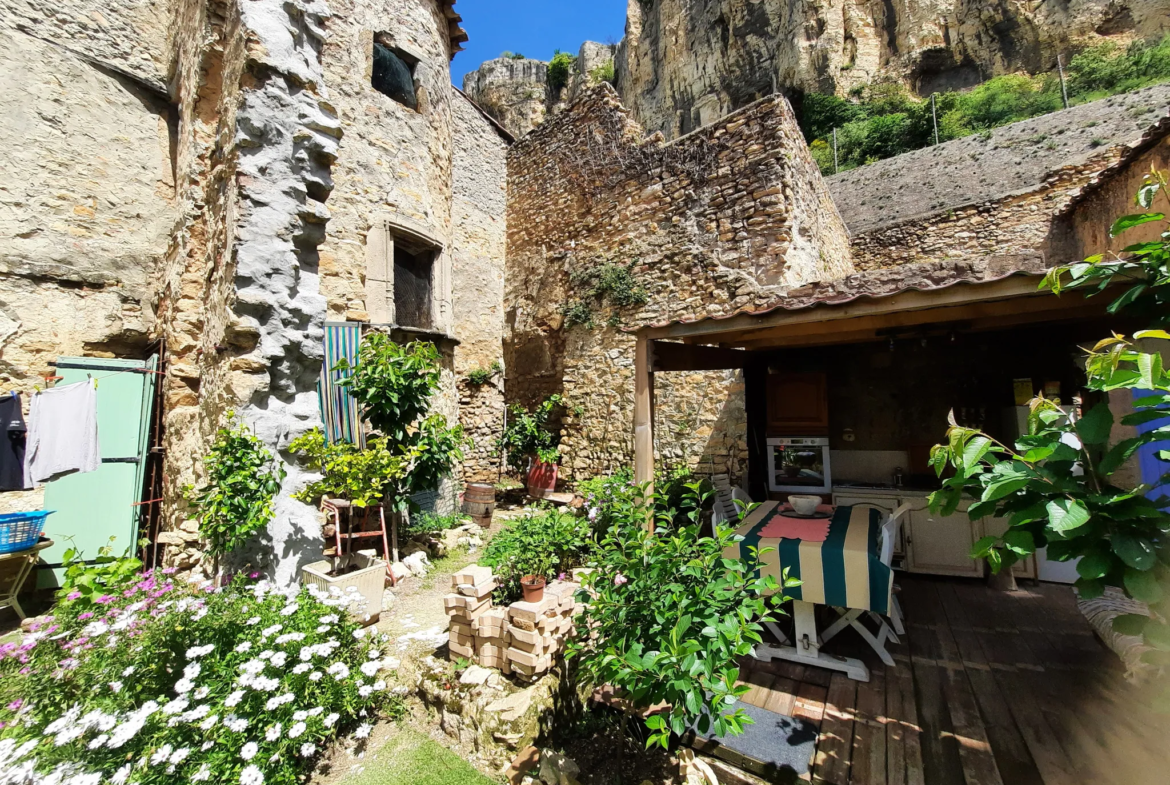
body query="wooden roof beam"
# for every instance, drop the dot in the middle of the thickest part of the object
(688, 357)
(911, 300)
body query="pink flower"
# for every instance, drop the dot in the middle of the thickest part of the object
(170, 570)
(86, 615)
(73, 595)
(620, 579)
(105, 599)
(16, 704)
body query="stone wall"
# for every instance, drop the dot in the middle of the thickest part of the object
(88, 199)
(1084, 225)
(478, 243)
(684, 63)
(724, 219)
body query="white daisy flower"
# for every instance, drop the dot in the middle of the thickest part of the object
(251, 775)
(297, 730)
(307, 749)
(116, 686)
(363, 731)
(203, 775)
(331, 719)
(244, 647)
(249, 750)
(315, 676)
(273, 733)
(370, 667)
(161, 754)
(234, 699)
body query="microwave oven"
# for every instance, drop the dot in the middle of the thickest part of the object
(799, 465)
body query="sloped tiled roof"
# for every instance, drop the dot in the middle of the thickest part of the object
(887, 282)
(1013, 159)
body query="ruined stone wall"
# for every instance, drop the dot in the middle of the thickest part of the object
(684, 63)
(478, 244)
(724, 219)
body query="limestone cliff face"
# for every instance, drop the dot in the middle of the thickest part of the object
(512, 91)
(517, 94)
(684, 63)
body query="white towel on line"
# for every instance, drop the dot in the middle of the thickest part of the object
(62, 433)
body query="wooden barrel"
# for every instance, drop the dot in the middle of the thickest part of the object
(479, 501)
(480, 492)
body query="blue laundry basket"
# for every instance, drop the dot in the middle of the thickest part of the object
(20, 531)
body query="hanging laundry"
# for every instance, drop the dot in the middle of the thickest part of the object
(340, 414)
(63, 433)
(12, 447)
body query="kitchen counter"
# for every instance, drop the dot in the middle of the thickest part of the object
(881, 490)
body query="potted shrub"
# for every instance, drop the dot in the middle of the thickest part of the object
(409, 451)
(531, 442)
(541, 545)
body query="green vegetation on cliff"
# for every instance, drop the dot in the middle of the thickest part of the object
(884, 120)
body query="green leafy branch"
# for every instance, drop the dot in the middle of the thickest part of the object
(1055, 486)
(243, 478)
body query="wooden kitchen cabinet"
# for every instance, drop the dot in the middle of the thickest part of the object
(798, 404)
(941, 544)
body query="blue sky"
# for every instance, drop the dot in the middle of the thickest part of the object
(534, 28)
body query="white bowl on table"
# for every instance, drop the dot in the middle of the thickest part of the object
(804, 504)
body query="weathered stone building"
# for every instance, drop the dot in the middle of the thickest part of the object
(726, 218)
(222, 177)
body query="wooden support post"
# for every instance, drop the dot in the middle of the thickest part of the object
(643, 415)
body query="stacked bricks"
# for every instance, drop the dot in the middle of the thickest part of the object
(538, 629)
(523, 638)
(470, 601)
(492, 639)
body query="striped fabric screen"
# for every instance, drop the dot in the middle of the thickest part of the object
(339, 409)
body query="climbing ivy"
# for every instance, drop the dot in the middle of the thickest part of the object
(608, 283)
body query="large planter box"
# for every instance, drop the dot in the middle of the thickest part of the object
(369, 579)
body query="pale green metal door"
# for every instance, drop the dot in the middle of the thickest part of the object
(91, 508)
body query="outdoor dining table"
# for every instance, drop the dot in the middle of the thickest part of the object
(843, 571)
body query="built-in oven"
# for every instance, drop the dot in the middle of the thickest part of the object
(799, 465)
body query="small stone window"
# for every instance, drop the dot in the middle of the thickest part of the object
(393, 74)
(406, 277)
(413, 286)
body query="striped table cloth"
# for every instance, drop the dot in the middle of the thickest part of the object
(844, 571)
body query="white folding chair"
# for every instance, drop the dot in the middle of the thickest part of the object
(851, 617)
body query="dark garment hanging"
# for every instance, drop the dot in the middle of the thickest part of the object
(12, 444)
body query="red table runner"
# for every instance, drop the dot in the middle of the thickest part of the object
(782, 526)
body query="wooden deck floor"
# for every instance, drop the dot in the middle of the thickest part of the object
(988, 688)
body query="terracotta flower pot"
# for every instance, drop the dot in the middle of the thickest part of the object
(533, 587)
(542, 478)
